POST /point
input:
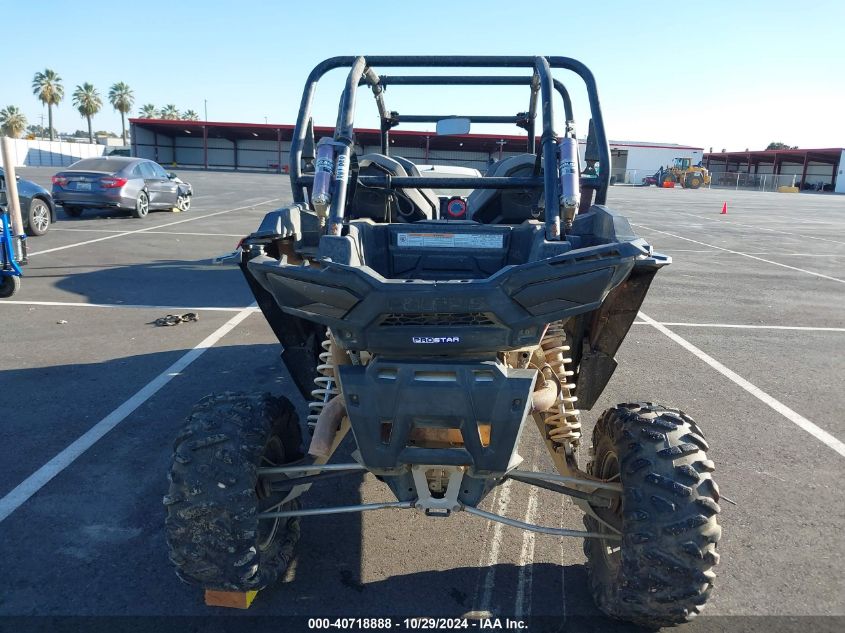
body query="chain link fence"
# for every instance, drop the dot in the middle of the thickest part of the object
(719, 180)
(752, 182)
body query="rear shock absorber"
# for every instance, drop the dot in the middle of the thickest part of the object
(326, 382)
(562, 422)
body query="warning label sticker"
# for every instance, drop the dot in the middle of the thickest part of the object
(450, 240)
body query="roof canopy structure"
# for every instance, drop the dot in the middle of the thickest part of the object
(776, 158)
(363, 136)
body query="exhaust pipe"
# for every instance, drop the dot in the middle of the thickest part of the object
(327, 426)
(545, 396)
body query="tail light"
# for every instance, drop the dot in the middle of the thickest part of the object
(61, 181)
(112, 183)
(456, 208)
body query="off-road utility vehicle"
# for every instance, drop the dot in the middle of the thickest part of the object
(436, 330)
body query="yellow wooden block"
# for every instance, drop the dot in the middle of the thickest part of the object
(230, 599)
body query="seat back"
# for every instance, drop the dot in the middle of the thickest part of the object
(383, 205)
(506, 206)
(432, 198)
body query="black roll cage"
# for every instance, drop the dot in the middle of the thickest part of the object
(541, 81)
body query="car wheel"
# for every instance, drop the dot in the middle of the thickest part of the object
(183, 202)
(142, 206)
(38, 218)
(72, 212)
(9, 285)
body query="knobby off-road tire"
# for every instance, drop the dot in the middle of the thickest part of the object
(215, 539)
(662, 576)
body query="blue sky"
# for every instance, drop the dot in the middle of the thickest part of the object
(716, 74)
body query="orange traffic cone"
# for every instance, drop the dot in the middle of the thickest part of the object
(724, 209)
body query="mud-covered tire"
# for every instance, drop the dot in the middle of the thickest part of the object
(662, 576)
(214, 537)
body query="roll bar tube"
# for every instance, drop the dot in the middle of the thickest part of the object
(360, 65)
(548, 144)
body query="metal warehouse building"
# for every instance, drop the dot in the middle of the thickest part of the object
(819, 169)
(256, 146)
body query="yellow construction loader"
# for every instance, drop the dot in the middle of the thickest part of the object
(684, 172)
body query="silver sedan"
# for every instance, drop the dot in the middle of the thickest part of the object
(135, 184)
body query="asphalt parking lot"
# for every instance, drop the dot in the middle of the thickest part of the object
(744, 331)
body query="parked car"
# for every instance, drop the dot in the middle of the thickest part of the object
(37, 208)
(135, 184)
(651, 180)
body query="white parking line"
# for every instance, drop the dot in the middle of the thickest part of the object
(762, 228)
(154, 232)
(495, 545)
(525, 580)
(687, 250)
(152, 228)
(37, 480)
(727, 250)
(563, 502)
(715, 252)
(800, 328)
(79, 304)
(820, 434)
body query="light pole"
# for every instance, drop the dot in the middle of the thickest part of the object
(205, 108)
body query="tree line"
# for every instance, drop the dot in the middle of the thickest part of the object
(169, 112)
(47, 86)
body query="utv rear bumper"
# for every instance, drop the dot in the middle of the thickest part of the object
(477, 317)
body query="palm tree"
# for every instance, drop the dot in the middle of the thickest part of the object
(190, 115)
(12, 121)
(170, 111)
(148, 111)
(47, 86)
(88, 103)
(122, 98)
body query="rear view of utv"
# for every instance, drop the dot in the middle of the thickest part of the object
(439, 329)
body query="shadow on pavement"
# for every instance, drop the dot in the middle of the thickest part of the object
(162, 282)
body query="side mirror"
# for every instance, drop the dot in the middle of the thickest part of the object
(453, 125)
(171, 175)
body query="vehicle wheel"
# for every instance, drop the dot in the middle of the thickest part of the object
(38, 219)
(693, 182)
(661, 575)
(9, 285)
(72, 212)
(214, 537)
(183, 202)
(142, 206)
